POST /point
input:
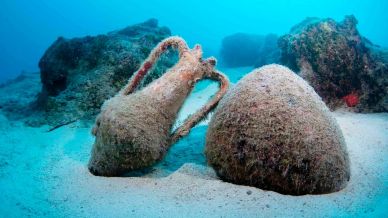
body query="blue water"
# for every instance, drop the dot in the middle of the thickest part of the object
(28, 27)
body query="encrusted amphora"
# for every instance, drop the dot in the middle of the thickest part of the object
(134, 129)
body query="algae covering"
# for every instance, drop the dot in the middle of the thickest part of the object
(343, 66)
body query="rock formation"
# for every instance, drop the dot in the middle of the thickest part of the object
(343, 67)
(241, 49)
(79, 74)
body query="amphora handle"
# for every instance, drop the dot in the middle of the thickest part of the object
(195, 118)
(175, 42)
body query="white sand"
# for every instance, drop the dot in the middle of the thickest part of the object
(44, 174)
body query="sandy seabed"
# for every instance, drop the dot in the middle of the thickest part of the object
(44, 174)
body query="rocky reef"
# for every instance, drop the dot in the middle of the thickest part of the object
(241, 49)
(343, 67)
(79, 74)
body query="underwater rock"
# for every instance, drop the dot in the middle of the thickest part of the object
(339, 63)
(79, 74)
(16, 100)
(133, 130)
(243, 49)
(274, 132)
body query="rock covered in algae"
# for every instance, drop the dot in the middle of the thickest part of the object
(274, 132)
(341, 65)
(242, 49)
(79, 74)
